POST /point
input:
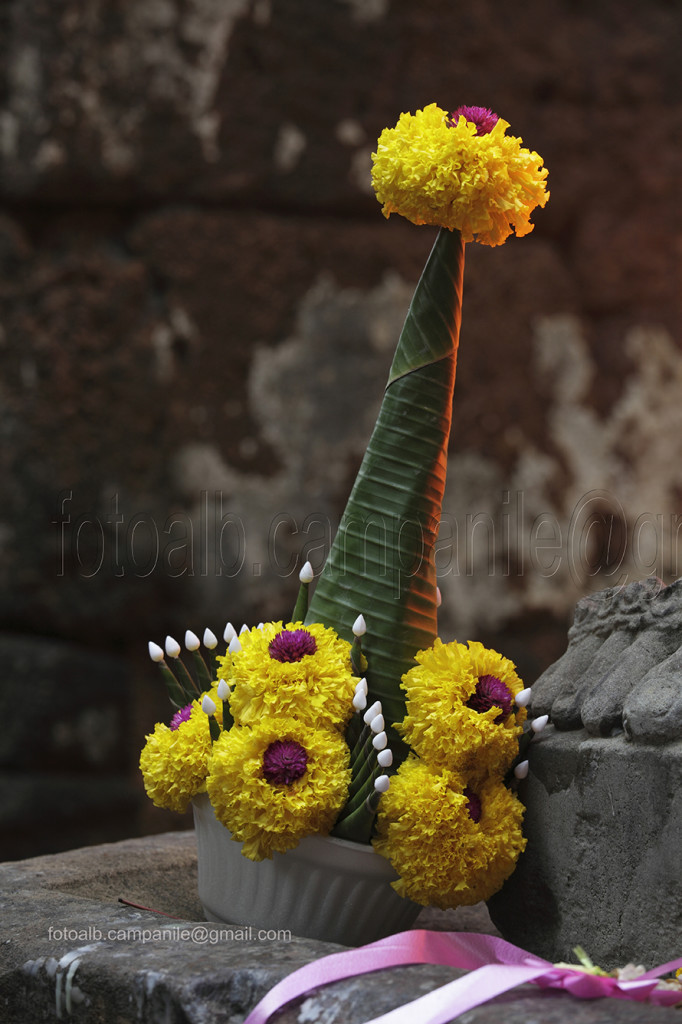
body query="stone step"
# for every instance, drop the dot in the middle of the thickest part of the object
(70, 951)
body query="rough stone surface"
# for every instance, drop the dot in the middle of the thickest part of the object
(69, 950)
(621, 669)
(653, 707)
(601, 868)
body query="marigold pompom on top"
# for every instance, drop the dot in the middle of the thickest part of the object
(295, 671)
(276, 782)
(453, 842)
(453, 172)
(460, 708)
(174, 761)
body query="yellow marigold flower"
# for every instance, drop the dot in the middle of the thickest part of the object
(295, 671)
(460, 710)
(434, 171)
(451, 845)
(276, 782)
(174, 761)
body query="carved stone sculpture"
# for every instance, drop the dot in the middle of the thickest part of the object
(604, 793)
(619, 644)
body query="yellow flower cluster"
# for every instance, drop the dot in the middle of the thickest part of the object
(443, 856)
(439, 691)
(434, 172)
(281, 771)
(318, 688)
(448, 824)
(267, 816)
(174, 762)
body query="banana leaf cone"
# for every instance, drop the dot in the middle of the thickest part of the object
(382, 562)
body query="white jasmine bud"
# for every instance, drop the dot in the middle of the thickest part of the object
(229, 632)
(244, 629)
(359, 701)
(521, 770)
(155, 652)
(523, 698)
(208, 706)
(372, 712)
(234, 645)
(381, 783)
(361, 686)
(172, 647)
(377, 724)
(260, 625)
(359, 626)
(210, 639)
(192, 642)
(223, 690)
(380, 741)
(538, 724)
(385, 758)
(306, 575)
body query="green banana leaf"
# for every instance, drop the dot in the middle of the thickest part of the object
(381, 564)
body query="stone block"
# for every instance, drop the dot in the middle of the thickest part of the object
(64, 707)
(602, 864)
(53, 811)
(65, 747)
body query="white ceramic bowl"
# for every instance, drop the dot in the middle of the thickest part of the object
(325, 888)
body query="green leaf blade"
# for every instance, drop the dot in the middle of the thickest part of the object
(382, 560)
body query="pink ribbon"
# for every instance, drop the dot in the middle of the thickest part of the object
(495, 967)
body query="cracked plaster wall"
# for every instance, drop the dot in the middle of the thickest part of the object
(314, 400)
(593, 502)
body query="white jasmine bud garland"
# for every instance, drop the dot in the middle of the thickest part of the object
(208, 706)
(172, 647)
(380, 741)
(306, 575)
(523, 698)
(521, 770)
(359, 626)
(385, 758)
(192, 642)
(155, 652)
(210, 639)
(229, 633)
(538, 724)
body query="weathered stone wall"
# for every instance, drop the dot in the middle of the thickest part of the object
(200, 297)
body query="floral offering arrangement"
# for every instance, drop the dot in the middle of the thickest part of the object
(354, 720)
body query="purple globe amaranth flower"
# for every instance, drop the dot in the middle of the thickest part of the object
(292, 645)
(473, 805)
(484, 119)
(491, 692)
(284, 761)
(180, 716)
